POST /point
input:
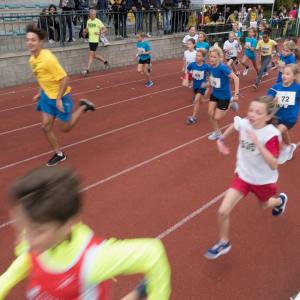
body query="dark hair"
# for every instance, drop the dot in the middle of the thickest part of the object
(192, 41)
(48, 194)
(267, 32)
(52, 6)
(39, 32)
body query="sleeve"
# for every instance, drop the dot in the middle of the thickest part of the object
(55, 68)
(272, 91)
(184, 39)
(17, 272)
(226, 71)
(273, 146)
(225, 47)
(274, 43)
(125, 257)
(237, 123)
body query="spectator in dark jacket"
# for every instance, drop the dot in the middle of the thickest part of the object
(53, 22)
(167, 6)
(67, 7)
(137, 8)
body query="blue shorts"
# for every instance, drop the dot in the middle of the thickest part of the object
(48, 106)
(251, 56)
(289, 125)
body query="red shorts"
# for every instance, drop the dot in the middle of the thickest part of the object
(263, 192)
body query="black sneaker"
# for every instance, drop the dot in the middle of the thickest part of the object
(88, 104)
(279, 210)
(106, 65)
(55, 159)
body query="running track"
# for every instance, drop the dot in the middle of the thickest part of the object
(145, 173)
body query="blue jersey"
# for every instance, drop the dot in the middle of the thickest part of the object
(288, 101)
(202, 45)
(199, 73)
(219, 80)
(238, 34)
(145, 45)
(290, 59)
(251, 42)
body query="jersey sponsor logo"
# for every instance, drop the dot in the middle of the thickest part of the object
(286, 98)
(247, 145)
(215, 82)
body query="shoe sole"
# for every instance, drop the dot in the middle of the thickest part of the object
(294, 147)
(225, 251)
(57, 162)
(88, 103)
(285, 203)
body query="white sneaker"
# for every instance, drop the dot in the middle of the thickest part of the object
(265, 74)
(245, 72)
(214, 135)
(292, 149)
(284, 155)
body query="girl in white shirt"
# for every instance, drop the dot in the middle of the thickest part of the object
(256, 167)
(192, 35)
(189, 57)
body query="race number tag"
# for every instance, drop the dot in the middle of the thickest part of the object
(286, 98)
(215, 82)
(265, 50)
(198, 75)
(248, 44)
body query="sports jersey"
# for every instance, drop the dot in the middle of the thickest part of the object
(231, 48)
(252, 43)
(266, 48)
(144, 46)
(220, 82)
(91, 262)
(189, 57)
(188, 37)
(288, 101)
(251, 166)
(287, 60)
(94, 27)
(202, 45)
(48, 72)
(199, 73)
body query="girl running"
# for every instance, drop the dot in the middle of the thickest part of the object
(256, 167)
(202, 42)
(250, 48)
(287, 93)
(199, 72)
(192, 35)
(231, 48)
(220, 97)
(189, 57)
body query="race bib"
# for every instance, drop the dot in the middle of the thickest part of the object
(265, 50)
(248, 44)
(198, 75)
(286, 98)
(215, 82)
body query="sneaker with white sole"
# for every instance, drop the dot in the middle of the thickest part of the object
(191, 120)
(214, 135)
(88, 105)
(245, 72)
(149, 83)
(292, 149)
(234, 106)
(265, 74)
(55, 159)
(284, 154)
(279, 210)
(217, 250)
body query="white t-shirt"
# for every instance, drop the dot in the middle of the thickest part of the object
(251, 166)
(231, 48)
(189, 57)
(187, 37)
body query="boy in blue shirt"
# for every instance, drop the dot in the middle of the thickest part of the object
(144, 57)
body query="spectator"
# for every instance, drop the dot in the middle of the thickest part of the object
(43, 20)
(67, 6)
(227, 12)
(53, 22)
(186, 6)
(137, 11)
(102, 8)
(215, 15)
(120, 10)
(233, 18)
(167, 6)
(252, 15)
(93, 4)
(83, 8)
(176, 16)
(293, 12)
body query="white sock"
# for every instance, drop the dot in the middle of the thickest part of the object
(60, 153)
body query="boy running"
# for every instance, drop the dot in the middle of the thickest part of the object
(54, 99)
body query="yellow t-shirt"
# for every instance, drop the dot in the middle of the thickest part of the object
(94, 27)
(114, 257)
(253, 17)
(266, 48)
(48, 72)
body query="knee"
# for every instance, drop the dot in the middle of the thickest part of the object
(211, 113)
(47, 127)
(223, 213)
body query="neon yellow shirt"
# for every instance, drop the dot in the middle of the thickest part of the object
(266, 48)
(94, 27)
(48, 72)
(115, 257)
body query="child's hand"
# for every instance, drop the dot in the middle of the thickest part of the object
(36, 97)
(185, 82)
(134, 295)
(252, 136)
(222, 147)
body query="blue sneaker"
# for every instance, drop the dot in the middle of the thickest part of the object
(191, 120)
(217, 250)
(149, 83)
(279, 210)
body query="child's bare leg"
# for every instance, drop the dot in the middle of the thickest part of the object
(198, 97)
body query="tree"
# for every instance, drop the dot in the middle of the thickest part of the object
(284, 3)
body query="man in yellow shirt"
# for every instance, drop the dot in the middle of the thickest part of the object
(266, 49)
(94, 28)
(63, 258)
(54, 99)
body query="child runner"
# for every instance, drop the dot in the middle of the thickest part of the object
(94, 28)
(256, 167)
(189, 57)
(54, 98)
(250, 48)
(286, 57)
(236, 30)
(144, 57)
(231, 48)
(63, 258)
(266, 48)
(199, 72)
(287, 94)
(202, 42)
(192, 35)
(220, 97)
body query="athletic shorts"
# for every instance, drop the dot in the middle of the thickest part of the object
(251, 56)
(48, 106)
(263, 192)
(287, 124)
(221, 104)
(199, 91)
(145, 62)
(93, 46)
(232, 58)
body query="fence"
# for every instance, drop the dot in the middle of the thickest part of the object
(66, 29)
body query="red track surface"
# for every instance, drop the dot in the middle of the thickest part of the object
(139, 182)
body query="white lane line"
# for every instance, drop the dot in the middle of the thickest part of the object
(99, 107)
(3, 225)
(94, 137)
(91, 90)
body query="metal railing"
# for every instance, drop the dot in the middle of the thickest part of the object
(65, 29)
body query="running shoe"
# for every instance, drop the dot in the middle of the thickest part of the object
(279, 210)
(55, 159)
(88, 105)
(255, 86)
(85, 72)
(292, 150)
(265, 74)
(106, 65)
(245, 72)
(191, 120)
(214, 135)
(149, 83)
(284, 154)
(217, 250)
(234, 106)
